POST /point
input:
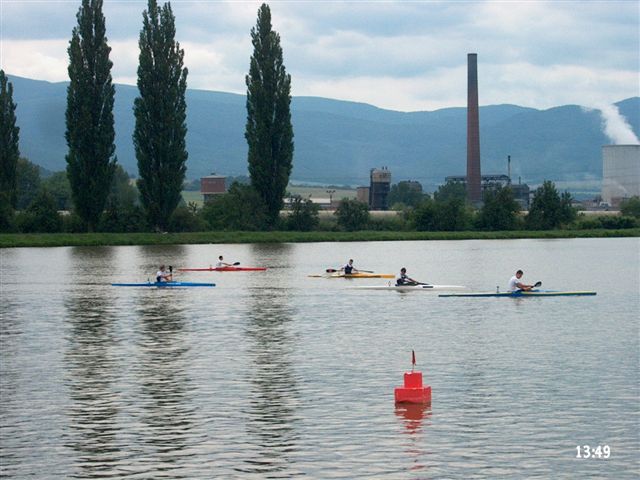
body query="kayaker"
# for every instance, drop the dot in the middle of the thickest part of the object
(515, 284)
(348, 269)
(404, 279)
(222, 263)
(163, 276)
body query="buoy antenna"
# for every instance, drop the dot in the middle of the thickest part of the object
(413, 360)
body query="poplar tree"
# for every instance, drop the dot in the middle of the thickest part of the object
(90, 130)
(269, 132)
(161, 113)
(9, 137)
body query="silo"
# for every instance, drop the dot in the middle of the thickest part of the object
(620, 173)
(379, 188)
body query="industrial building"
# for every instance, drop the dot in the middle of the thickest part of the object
(380, 185)
(620, 173)
(212, 185)
(362, 194)
(521, 191)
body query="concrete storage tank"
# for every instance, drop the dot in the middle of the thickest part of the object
(620, 173)
(379, 188)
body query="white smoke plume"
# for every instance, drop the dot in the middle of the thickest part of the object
(616, 127)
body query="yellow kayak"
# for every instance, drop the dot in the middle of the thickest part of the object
(355, 275)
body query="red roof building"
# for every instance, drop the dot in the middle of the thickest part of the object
(212, 185)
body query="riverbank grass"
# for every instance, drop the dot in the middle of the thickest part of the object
(11, 240)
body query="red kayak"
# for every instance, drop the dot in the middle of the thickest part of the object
(224, 269)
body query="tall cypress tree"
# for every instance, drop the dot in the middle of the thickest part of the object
(161, 113)
(269, 132)
(9, 137)
(90, 130)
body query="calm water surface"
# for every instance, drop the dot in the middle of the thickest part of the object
(277, 375)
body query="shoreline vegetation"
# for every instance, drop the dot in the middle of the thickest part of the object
(15, 240)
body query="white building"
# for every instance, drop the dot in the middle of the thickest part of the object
(620, 173)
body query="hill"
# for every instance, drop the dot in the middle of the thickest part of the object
(338, 142)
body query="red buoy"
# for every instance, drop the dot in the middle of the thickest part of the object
(413, 391)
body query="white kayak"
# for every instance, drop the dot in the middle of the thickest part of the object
(521, 294)
(410, 288)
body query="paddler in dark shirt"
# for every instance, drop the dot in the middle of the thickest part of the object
(404, 279)
(348, 269)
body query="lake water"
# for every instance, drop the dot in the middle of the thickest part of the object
(277, 375)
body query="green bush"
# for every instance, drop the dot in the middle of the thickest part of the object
(73, 223)
(184, 219)
(41, 216)
(609, 222)
(328, 224)
(499, 211)
(119, 218)
(405, 193)
(616, 222)
(549, 209)
(241, 208)
(450, 215)
(352, 215)
(396, 223)
(631, 207)
(303, 216)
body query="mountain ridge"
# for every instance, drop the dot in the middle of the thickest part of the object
(338, 141)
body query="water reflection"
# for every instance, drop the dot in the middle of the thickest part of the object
(164, 403)
(274, 395)
(11, 328)
(272, 255)
(414, 417)
(92, 378)
(150, 257)
(146, 383)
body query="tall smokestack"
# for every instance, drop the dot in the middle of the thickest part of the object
(474, 190)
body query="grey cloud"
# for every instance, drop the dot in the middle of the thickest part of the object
(333, 42)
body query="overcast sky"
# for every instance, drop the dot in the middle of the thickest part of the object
(400, 55)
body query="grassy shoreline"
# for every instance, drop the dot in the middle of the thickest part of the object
(14, 240)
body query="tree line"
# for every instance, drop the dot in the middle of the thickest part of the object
(100, 196)
(41, 198)
(159, 137)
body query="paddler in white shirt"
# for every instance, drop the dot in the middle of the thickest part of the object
(221, 263)
(163, 276)
(515, 284)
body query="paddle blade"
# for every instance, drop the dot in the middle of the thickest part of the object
(236, 263)
(413, 358)
(537, 284)
(331, 270)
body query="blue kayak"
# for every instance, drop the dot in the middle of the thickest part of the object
(520, 294)
(164, 284)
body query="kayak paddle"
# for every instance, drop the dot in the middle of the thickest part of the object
(535, 285)
(333, 270)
